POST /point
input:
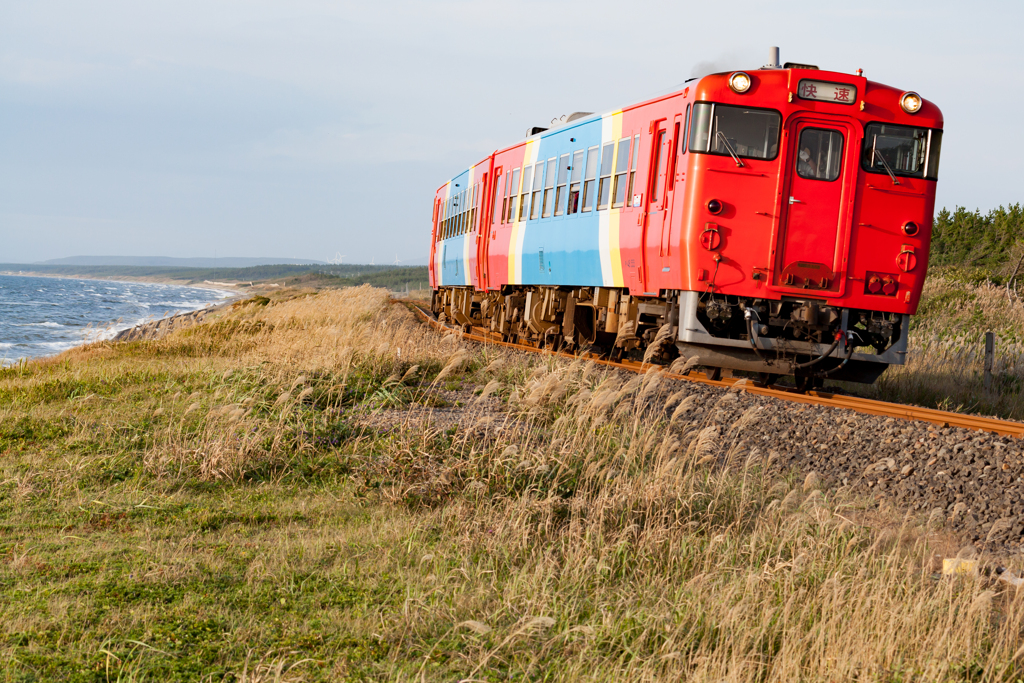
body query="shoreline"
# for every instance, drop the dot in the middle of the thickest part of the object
(154, 327)
(140, 279)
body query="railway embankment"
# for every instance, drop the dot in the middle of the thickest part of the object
(322, 487)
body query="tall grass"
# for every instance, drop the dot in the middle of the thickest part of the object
(332, 526)
(945, 367)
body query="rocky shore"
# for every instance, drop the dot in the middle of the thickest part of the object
(160, 328)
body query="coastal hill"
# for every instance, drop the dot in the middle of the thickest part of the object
(223, 262)
(287, 275)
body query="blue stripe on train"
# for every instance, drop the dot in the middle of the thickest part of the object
(558, 250)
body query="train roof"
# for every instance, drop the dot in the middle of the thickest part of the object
(876, 99)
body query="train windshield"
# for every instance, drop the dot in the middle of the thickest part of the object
(901, 150)
(743, 131)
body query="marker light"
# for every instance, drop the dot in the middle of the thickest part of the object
(739, 82)
(910, 228)
(715, 207)
(910, 102)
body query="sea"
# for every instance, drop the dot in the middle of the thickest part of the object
(42, 316)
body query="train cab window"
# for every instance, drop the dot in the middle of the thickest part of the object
(574, 182)
(735, 131)
(538, 179)
(513, 192)
(589, 179)
(549, 187)
(902, 150)
(621, 168)
(604, 186)
(563, 177)
(495, 188)
(820, 154)
(524, 196)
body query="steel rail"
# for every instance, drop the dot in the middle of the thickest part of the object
(823, 398)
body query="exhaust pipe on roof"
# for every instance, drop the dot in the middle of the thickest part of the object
(773, 59)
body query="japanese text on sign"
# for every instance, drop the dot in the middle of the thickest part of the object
(843, 93)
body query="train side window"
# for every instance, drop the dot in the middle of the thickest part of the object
(574, 182)
(700, 127)
(513, 192)
(657, 167)
(457, 226)
(549, 187)
(604, 186)
(589, 180)
(524, 196)
(934, 148)
(686, 128)
(820, 155)
(538, 180)
(563, 177)
(494, 197)
(632, 170)
(458, 215)
(472, 207)
(621, 168)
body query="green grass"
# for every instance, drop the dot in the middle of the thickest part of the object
(258, 499)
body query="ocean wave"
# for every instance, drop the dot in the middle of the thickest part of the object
(87, 310)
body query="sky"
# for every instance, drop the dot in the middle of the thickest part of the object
(308, 129)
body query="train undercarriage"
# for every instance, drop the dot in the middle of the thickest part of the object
(765, 338)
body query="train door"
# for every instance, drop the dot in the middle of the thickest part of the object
(481, 230)
(813, 236)
(671, 178)
(658, 200)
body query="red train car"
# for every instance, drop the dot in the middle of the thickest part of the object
(774, 221)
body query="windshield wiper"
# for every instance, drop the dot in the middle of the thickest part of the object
(719, 135)
(878, 155)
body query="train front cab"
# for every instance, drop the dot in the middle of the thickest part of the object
(808, 225)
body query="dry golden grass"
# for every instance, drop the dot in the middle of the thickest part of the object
(947, 351)
(213, 506)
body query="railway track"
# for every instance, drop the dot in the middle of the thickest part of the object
(855, 403)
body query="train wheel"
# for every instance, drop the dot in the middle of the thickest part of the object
(767, 378)
(805, 384)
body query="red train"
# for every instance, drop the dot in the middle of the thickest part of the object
(774, 221)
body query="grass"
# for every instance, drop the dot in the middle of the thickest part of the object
(276, 495)
(945, 367)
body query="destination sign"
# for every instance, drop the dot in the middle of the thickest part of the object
(823, 91)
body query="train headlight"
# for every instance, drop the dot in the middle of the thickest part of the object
(910, 102)
(739, 82)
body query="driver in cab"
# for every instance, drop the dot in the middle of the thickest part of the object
(804, 165)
